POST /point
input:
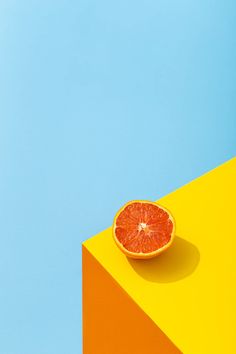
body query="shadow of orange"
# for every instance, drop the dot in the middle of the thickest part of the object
(178, 262)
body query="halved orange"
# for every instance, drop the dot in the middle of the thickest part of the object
(143, 229)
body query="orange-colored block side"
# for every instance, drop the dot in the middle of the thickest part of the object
(112, 322)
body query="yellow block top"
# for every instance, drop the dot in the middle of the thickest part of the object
(190, 290)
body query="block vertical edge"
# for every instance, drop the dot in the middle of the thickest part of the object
(112, 321)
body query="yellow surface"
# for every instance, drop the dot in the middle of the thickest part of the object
(189, 291)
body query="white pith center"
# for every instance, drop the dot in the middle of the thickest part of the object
(142, 226)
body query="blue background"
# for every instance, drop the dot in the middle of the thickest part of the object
(100, 102)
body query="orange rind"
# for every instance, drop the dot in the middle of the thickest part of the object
(143, 229)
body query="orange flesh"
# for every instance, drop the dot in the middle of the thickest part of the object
(143, 227)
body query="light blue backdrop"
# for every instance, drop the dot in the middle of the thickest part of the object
(100, 102)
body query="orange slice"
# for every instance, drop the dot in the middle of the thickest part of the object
(143, 229)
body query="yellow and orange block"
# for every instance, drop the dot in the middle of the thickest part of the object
(183, 301)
